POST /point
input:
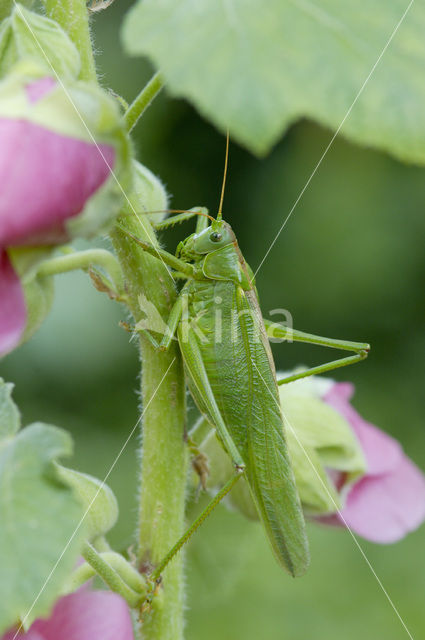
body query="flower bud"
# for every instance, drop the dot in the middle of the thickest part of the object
(64, 165)
(20, 35)
(348, 472)
(58, 147)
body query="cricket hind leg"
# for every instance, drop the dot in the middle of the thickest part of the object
(360, 349)
(197, 523)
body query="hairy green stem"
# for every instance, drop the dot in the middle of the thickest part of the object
(72, 15)
(84, 260)
(142, 101)
(164, 456)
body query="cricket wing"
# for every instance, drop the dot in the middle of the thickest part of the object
(268, 466)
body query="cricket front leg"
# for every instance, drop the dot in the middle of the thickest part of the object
(184, 268)
(360, 349)
(201, 212)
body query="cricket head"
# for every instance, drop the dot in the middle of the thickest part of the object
(218, 235)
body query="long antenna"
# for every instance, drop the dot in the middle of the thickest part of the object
(223, 186)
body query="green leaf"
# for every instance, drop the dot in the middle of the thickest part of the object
(10, 419)
(39, 516)
(97, 499)
(256, 66)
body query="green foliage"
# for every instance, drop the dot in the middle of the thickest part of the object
(20, 35)
(47, 511)
(39, 516)
(96, 497)
(256, 67)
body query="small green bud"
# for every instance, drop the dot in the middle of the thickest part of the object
(10, 418)
(149, 193)
(95, 496)
(20, 35)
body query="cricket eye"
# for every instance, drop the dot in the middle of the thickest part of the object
(215, 237)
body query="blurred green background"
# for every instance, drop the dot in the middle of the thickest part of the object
(349, 264)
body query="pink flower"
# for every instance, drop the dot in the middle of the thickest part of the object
(389, 500)
(13, 313)
(84, 615)
(46, 177)
(49, 169)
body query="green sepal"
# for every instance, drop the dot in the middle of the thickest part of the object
(38, 291)
(21, 36)
(6, 7)
(76, 109)
(98, 500)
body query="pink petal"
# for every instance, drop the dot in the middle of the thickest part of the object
(382, 452)
(39, 88)
(45, 178)
(385, 508)
(13, 312)
(31, 635)
(87, 615)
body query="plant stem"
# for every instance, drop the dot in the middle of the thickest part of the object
(164, 460)
(72, 15)
(143, 100)
(84, 260)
